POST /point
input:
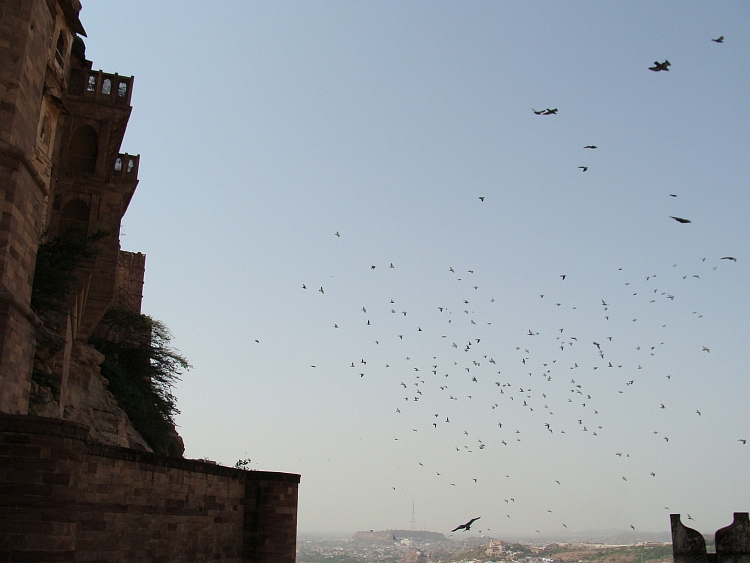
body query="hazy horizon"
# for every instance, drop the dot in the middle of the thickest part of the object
(550, 347)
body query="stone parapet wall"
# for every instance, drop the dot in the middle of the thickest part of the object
(63, 499)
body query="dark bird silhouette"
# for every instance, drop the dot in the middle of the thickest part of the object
(720, 39)
(337, 234)
(584, 168)
(672, 195)
(660, 66)
(466, 526)
(481, 198)
(590, 147)
(550, 111)
(732, 258)
(680, 219)
(538, 112)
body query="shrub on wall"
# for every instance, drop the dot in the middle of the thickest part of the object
(141, 369)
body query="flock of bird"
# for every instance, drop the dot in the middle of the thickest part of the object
(549, 376)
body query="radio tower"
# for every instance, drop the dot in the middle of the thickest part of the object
(413, 520)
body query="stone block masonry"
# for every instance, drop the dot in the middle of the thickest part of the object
(64, 499)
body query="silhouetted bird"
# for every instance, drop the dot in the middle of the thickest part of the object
(584, 168)
(590, 147)
(732, 258)
(680, 219)
(720, 39)
(466, 526)
(660, 66)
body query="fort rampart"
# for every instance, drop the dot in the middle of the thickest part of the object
(64, 499)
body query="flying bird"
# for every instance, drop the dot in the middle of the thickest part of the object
(337, 234)
(538, 112)
(732, 258)
(680, 219)
(550, 111)
(720, 39)
(481, 198)
(466, 526)
(660, 66)
(590, 147)
(584, 168)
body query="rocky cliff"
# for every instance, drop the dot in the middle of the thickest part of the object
(84, 397)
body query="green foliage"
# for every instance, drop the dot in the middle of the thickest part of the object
(55, 272)
(141, 369)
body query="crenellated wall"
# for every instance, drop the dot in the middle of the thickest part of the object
(64, 499)
(732, 542)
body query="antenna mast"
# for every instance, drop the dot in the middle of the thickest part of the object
(413, 520)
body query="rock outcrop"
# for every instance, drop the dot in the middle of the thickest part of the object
(85, 399)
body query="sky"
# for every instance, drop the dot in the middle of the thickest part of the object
(394, 278)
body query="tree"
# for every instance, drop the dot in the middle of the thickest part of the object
(141, 369)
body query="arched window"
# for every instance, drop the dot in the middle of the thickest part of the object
(82, 151)
(60, 49)
(74, 219)
(118, 164)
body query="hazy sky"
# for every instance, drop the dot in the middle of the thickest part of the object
(266, 128)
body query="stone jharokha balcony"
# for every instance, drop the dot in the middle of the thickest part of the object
(126, 166)
(101, 87)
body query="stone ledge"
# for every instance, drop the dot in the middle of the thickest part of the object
(25, 424)
(39, 425)
(188, 464)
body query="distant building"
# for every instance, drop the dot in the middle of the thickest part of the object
(496, 547)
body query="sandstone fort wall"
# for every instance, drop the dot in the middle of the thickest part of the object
(63, 499)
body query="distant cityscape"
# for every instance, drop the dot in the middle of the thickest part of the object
(410, 546)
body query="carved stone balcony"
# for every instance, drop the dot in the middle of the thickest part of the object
(102, 87)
